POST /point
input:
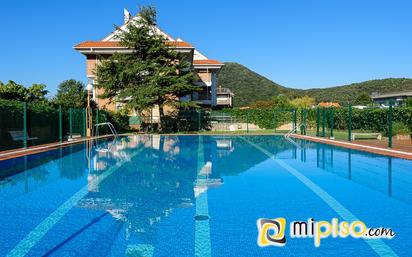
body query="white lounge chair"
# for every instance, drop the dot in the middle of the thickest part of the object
(18, 135)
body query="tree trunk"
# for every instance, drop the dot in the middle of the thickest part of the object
(161, 117)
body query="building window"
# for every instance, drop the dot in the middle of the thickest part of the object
(119, 106)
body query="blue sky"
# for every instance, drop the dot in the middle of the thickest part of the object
(294, 43)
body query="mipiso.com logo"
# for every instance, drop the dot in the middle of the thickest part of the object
(272, 231)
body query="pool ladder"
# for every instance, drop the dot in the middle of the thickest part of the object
(95, 133)
(293, 130)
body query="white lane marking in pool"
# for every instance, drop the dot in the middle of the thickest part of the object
(140, 250)
(25, 245)
(202, 227)
(377, 245)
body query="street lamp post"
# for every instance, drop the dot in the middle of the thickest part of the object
(89, 119)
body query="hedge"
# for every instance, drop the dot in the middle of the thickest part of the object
(43, 122)
(363, 120)
(264, 118)
(372, 119)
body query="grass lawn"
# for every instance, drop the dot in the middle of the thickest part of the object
(340, 134)
(237, 132)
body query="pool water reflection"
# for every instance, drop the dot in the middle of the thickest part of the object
(194, 195)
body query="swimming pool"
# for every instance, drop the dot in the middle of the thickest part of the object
(199, 195)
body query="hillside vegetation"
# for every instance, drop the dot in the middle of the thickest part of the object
(248, 87)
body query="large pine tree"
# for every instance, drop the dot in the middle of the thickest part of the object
(151, 74)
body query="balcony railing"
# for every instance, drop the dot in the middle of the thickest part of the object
(223, 97)
(222, 90)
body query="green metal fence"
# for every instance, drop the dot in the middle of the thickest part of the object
(41, 125)
(236, 121)
(390, 127)
(182, 121)
(25, 124)
(383, 127)
(11, 120)
(74, 125)
(268, 120)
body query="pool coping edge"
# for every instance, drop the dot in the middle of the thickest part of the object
(20, 152)
(5, 155)
(354, 146)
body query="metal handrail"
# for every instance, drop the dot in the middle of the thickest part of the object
(293, 130)
(95, 133)
(290, 140)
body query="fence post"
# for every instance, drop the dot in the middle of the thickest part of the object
(301, 121)
(305, 114)
(350, 123)
(332, 122)
(84, 122)
(247, 121)
(70, 123)
(295, 119)
(97, 115)
(323, 122)
(349, 164)
(25, 125)
(317, 120)
(151, 121)
(390, 115)
(198, 119)
(60, 124)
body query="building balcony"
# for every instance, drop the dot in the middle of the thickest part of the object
(224, 97)
(204, 102)
(202, 98)
(203, 83)
(222, 90)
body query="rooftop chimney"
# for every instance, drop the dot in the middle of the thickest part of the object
(126, 16)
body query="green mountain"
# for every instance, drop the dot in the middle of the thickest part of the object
(248, 87)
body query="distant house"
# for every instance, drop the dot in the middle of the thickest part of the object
(329, 104)
(396, 97)
(206, 69)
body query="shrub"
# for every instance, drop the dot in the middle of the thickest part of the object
(399, 128)
(372, 119)
(119, 120)
(266, 118)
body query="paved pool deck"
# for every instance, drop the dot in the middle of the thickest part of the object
(400, 149)
(372, 146)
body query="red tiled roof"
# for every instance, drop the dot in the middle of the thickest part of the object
(116, 44)
(98, 44)
(178, 44)
(329, 104)
(206, 62)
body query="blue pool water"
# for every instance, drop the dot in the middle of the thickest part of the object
(199, 196)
